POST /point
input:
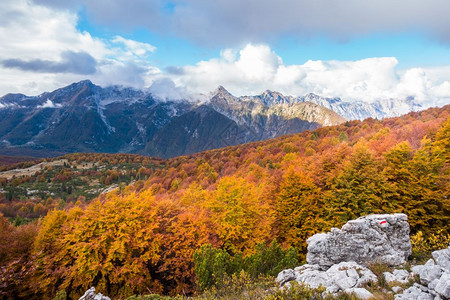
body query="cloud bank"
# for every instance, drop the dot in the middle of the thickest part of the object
(71, 62)
(256, 68)
(224, 22)
(42, 49)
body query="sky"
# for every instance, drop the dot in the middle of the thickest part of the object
(353, 49)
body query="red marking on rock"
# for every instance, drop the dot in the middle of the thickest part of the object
(383, 222)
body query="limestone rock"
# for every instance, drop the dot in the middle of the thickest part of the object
(428, 272)
(361, 293)
(374, 238)
(344, 276)
(414, 293)
(442, 258)
(91, 295)
(285, 276)
(401, 276)
(443, 286)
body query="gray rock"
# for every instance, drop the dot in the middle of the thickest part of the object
(432, 285)
(285, 276)
(340, 277)
(421, 287)
(443, 286)
(397, 289)
(314, 278)
(401, 276)
(361, 293)
(91, 295)
(373, 238)
(414, 293)
(442, 258)
(428, 272)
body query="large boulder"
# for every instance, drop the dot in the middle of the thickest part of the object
(374, 238)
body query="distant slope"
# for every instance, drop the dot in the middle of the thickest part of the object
(9, 160)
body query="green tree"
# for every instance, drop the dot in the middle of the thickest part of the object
(360, 188)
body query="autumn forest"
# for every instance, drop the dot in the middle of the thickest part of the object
(163, 223)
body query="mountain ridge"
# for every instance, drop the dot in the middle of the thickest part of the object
(84, 117)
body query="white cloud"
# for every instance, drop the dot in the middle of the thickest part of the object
(49, 104)
(225, 22)
(165, 89)
(33, 35)
(256, 68)
(35, 38)
(134, 48)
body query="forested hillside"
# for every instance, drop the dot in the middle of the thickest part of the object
(145, 237)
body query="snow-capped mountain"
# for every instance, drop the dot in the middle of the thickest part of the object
(84, 117)
(361, 110)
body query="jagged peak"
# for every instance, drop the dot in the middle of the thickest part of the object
(312, 96)
(84, 82)
(221, 91)
(77, 85)
(272, 94)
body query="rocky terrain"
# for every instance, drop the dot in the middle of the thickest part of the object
(340, 261)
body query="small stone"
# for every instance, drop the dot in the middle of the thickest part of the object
(361, 293)
(397, 289)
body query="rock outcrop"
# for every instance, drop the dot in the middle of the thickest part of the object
(338, 261)
(91, 295)
(434, 279)
(348, 277)
(374, 238)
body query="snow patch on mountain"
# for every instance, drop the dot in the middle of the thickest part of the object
(381, 108)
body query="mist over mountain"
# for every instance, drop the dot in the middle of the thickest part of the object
(84, 117)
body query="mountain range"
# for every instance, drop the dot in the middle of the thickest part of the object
(84, 117)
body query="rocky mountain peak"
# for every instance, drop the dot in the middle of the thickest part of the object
(311, 97)
(221, 92)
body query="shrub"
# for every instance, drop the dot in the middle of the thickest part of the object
(213, 265)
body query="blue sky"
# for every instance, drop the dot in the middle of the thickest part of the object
(357, 50)
(412, 48)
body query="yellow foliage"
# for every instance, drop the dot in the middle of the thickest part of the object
(432, 242)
